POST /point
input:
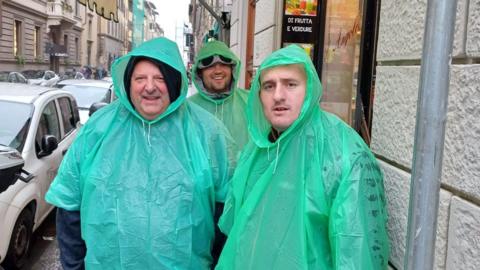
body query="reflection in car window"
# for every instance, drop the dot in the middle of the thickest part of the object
(67, 114)
(48, 125)
(86, 95)
(14, 129)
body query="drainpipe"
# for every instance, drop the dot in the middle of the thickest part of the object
(430, 134)
(222, 20)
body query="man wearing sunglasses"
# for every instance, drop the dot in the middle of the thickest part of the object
(215, 75)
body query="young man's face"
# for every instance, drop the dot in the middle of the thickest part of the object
(148, 90)
(282, 91)
(217, 77)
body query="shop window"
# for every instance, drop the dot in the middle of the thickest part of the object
(341, 57)
(340, 37)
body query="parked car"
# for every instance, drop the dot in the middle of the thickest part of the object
(12, 76)
(71, 75)
(88, 93)
(41, 77)
(37, 127)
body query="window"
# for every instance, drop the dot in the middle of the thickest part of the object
(68, 118)
(77, 50)
(89, 52)
(77, 8)
(17, 36)
(65, 43)
(36, 42)
(48, 125)
(90, 29)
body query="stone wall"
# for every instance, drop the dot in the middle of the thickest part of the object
(399, 53)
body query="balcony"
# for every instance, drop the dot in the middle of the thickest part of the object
(60, 13)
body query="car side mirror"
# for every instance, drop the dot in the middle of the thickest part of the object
(95, 107)
(49, 143)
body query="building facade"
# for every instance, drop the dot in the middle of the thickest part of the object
(400, 42)
(64, 35)
(204, 25)
(23, 35)
(383, 77)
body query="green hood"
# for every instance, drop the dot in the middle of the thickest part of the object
(258, 125)
(163, 50)
(231, 109)
(215, 47)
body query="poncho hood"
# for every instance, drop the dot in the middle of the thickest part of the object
(230, 109)
(160, 49)
(215, 47)
(258, 125)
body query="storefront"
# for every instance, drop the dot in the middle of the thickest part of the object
(341, 44)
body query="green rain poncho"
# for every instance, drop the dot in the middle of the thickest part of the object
(314, 199)
(230, 109)
(146, 189)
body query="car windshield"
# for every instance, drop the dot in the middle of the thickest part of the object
(14, 129)
(87, 95)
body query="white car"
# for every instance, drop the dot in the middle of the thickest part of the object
(87, 93)
(49, 78)
(38, 124)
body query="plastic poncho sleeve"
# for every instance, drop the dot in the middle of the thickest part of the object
(65, 191)
(357, 233)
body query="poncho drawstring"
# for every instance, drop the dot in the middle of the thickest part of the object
(145, 134)
(276, 158)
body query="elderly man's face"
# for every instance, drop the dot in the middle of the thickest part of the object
(282, 92)
(148, 90)
(217, 77)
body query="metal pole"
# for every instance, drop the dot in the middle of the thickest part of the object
(430, 134)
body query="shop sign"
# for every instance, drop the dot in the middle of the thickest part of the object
(300, 23)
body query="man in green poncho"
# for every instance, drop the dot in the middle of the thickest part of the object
(215, 75)
(142, 177)
(307, 193)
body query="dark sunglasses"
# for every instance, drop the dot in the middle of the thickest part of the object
(211, 60)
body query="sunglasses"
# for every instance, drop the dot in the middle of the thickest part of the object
(211, 60)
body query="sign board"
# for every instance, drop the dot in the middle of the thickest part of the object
(300, 24)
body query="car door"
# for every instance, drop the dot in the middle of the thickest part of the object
(47, 166)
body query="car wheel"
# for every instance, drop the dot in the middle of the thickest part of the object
(20, 241)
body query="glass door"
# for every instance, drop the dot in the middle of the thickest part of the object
(341, 54)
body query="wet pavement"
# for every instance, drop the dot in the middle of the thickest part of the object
(44, 253)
